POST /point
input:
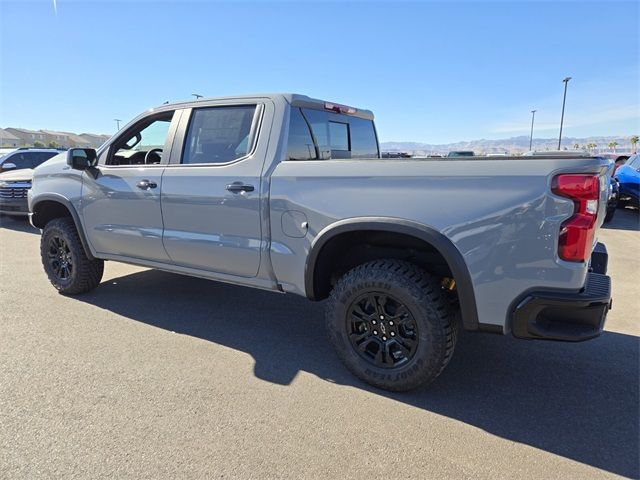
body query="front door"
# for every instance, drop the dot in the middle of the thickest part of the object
(121, 198)
(211, 189)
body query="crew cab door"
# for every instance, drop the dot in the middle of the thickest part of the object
(211, 202)
(121, 198)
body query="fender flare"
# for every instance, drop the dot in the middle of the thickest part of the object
(437, 240)
(53, 197)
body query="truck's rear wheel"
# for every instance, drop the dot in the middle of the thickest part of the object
(391, 324)
(65, 261)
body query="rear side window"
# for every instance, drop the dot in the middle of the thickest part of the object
(334, 135)
(219, 134)
(300, 144)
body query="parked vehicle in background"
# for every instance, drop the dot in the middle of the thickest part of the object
(4, 151)
(290, 194)
(26, 158)
(628, 176)
(555, 153)
(617, 159)
(461, 153)
(612, 203)
(15, 179)
(396, 155)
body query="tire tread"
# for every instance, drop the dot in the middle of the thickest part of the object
(88, 273)
(425, 290)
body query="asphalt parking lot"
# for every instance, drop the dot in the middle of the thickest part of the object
(154, 375)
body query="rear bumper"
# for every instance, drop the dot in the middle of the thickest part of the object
(569, 317)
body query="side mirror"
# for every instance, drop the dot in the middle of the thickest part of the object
(8, 166)
(82, 158)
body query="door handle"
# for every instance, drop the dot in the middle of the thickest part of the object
(146, 184)
(239, 187)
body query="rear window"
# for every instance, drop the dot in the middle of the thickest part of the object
(319, 123)
(331, 135)
(364, 143)
(339, 139)
(300, 145)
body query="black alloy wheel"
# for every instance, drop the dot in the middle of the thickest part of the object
(60, 259)
(382, 330)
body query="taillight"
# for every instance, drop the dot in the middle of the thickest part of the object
(576, 233)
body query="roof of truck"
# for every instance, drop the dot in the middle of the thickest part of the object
(293, 99)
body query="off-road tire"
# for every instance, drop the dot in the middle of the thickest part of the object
(84, 274)
(425, 299)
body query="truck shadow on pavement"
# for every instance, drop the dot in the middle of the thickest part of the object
(18, 224)
(579, 401)
(624, 219)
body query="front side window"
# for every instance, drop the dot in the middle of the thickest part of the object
(219, 134)
(20, 160)
(144, 144)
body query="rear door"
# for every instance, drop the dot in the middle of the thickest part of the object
(211, 203)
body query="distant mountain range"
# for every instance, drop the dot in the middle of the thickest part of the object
(509, 145)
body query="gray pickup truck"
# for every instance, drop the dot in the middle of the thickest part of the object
(287, 193)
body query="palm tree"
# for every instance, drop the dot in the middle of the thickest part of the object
(576, 146)
(613, 145)
(591, 146)
(634, 142)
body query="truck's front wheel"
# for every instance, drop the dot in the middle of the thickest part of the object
(65, 261)
(391, 324)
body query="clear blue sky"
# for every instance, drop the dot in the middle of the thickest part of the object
(431, 71)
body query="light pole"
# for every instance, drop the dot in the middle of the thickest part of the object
(198, 96)
(564, 99)
(117, 120)
(533, 116)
